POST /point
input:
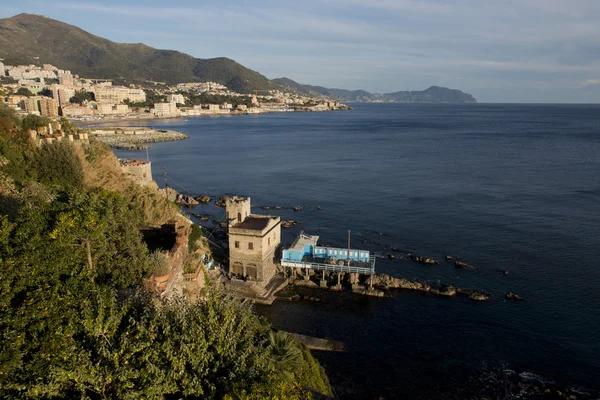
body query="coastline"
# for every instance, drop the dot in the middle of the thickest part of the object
(149, 117)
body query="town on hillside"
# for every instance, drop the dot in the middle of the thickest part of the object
(52, 92)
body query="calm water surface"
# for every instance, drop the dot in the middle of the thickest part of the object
(502, 187)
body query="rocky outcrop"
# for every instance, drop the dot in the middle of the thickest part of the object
(512, 296)
(201, 217)
(288, 223)
(203, 199)
(369, 292)
(460, 264)
(384, 281)
(178, 198)
(423, 260)
(270, 207)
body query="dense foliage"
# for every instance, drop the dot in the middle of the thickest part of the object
(8, 80)
(80, 97)
(208, 98)
(22, 91)
(75, 321)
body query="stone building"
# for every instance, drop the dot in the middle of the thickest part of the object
(253, 240)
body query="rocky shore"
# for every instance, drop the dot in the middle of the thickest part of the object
(386, 282)
(134, 138)
(378, 284)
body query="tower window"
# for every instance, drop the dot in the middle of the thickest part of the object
(250, 246)
(237, 244)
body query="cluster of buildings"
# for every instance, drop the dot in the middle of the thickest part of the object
(53, 90)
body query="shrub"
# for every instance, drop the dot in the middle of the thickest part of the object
(59, 166)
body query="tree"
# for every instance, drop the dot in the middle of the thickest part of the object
(80, 97)
(66, 126)
(32, 121)
(45, 92)
(22, 91)
(8, 80)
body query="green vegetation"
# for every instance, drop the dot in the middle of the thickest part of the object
(26, 36)
(32, 121)
(194, 237)
(23, 92)
(8, 80)
(45, 92)
(151, 98)
(207, 98)
(80, 97)
(75, 321)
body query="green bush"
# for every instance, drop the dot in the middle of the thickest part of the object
(194, 237)
(59, 166)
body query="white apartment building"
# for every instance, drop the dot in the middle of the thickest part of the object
(105, 108)
(118, 94)
(165, 109)
(176, 98)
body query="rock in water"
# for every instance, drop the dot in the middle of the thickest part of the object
(460, 264)
(203, 199)
(288, 223)
(423, 260)
(298, 208)
(512, 296)
(479, 296)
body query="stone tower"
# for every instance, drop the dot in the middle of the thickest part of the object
(238, 209)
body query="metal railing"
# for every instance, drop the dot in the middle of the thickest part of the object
(331, 267)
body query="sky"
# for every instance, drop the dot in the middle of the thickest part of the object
(497, 50)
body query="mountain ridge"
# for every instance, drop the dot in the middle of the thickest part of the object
(34, 39)
(26, 38)
(433, 94)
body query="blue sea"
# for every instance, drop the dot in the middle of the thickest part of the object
(501, 187)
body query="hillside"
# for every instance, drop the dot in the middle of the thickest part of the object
(434, 94)
(33, 39)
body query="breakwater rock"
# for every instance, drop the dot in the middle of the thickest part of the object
(288, 223)
(386, 282)
(512, 296)
(134, 138)
(204, 198)
(460, 264)
(423, 260)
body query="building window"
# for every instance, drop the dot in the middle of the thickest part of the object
(237, 244)
(239, 217)
(250, 246)
(269, 241)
